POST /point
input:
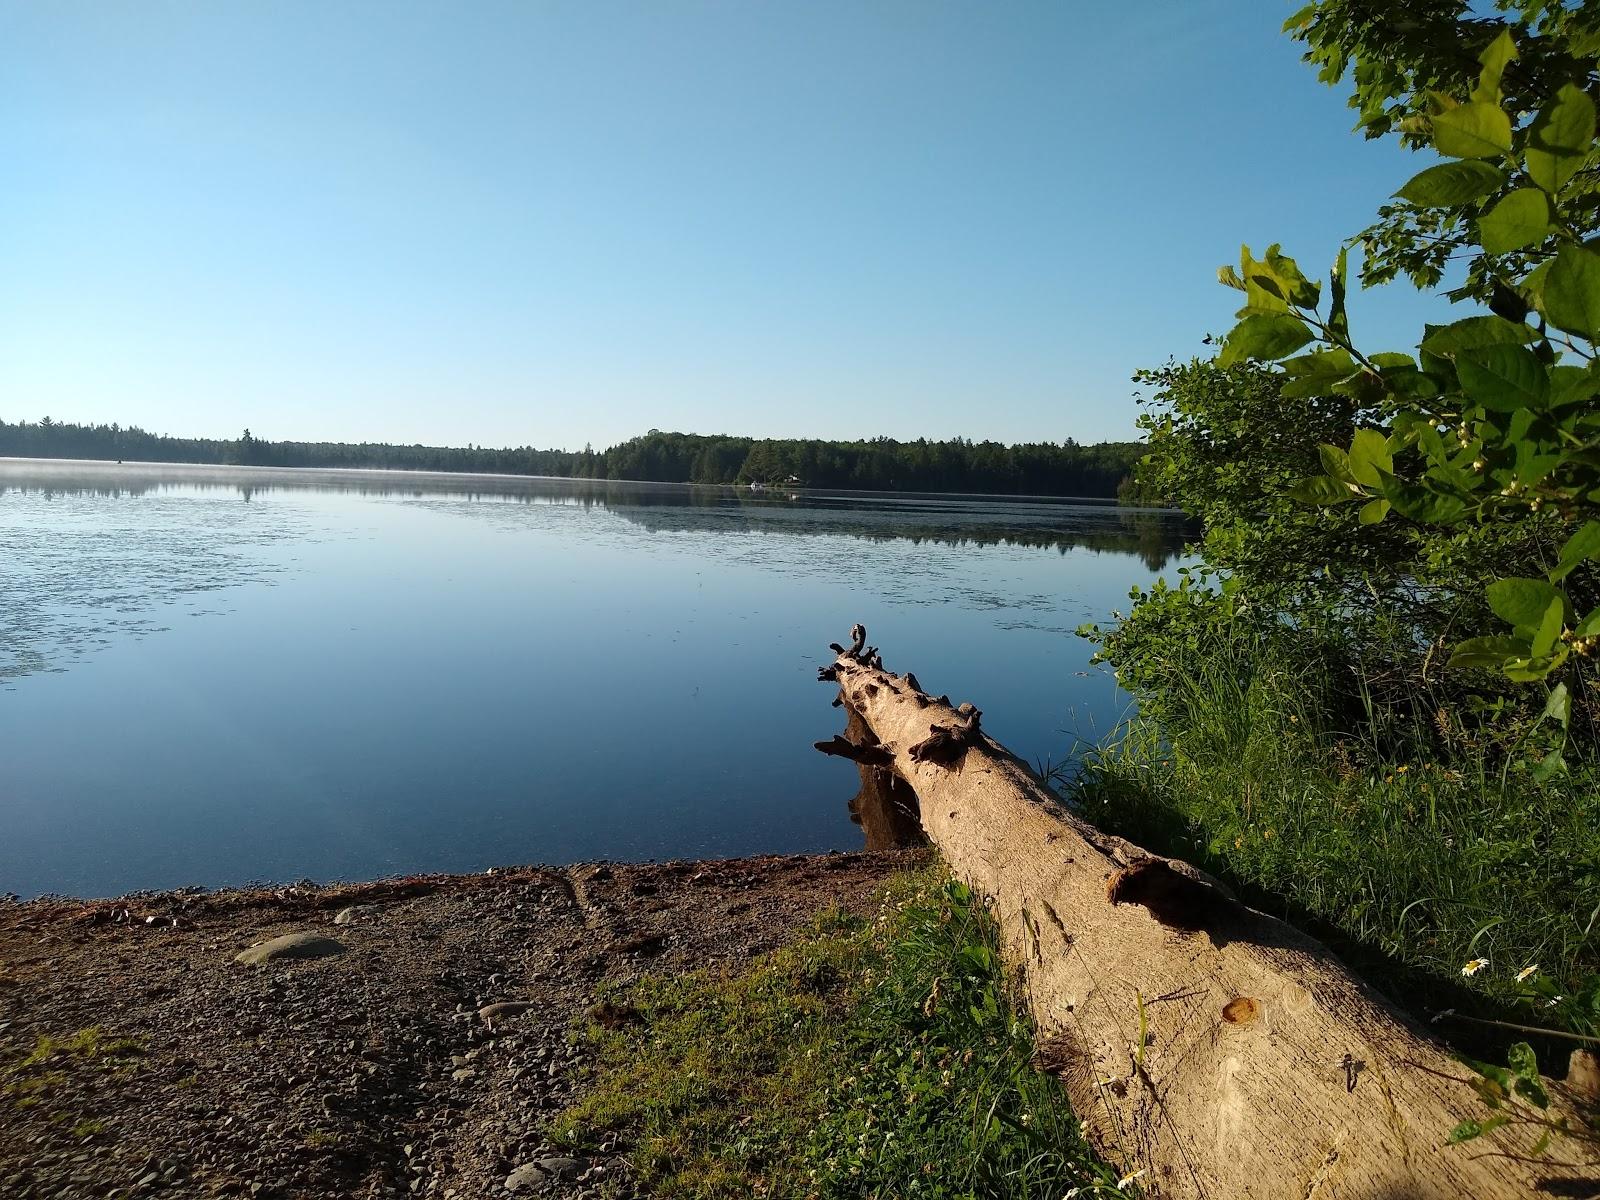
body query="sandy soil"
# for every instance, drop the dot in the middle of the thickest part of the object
(370, 1071)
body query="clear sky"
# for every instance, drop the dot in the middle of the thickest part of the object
(551, 223)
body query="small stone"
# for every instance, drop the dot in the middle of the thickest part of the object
(505, 1008)
(462, 1074)
(290, 945)
(525, 1178)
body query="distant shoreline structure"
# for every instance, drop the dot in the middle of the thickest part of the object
(1101, 470)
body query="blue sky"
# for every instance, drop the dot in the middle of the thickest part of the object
(552, 223)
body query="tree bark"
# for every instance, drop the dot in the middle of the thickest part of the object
(1267, 1070)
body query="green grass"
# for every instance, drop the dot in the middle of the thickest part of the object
(869, 1059)
(33, 1080)
(1416, 862)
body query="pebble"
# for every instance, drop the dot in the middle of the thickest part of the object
(505, 1008)
(291, 945)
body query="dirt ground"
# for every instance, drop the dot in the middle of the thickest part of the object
(369, 1071)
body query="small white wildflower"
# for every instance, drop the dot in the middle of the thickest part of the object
(1474, 966)
(1523, 974)
(1129, 1178)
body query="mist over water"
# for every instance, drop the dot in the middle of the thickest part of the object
(218, 675)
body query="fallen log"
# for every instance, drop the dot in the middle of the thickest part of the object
(1211, 1049)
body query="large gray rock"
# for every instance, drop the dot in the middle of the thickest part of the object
(526, 1178)
(559, 1165)
(291, 945)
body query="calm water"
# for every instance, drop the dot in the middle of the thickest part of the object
(215, 675)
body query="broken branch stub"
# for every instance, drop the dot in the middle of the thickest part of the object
(1267, 1070)
(945, 744)
(841, 747)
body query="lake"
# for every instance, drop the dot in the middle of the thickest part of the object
(214, 675)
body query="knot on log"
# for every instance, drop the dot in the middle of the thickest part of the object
(1177, 900)
(945, 744)
(842, 747)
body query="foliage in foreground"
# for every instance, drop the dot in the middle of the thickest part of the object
(1335, 708)
(1435, 860)
(868, 1059)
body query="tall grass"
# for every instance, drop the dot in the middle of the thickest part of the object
(1410, 835)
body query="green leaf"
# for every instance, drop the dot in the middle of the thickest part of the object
(1373, 511)
(1476, 130)
(1544, 770)
(1369, 454)
(1521, 602)
(1261, 291)
(1572, 385)
(1560, 139)
(1519, 220)
(1558, 707)
(1549, 628)
(1494, 58)
(1449, 184)
(1424, 506)
(1321, 489)
(1338, 278)
(1533, 1088)
(1267, 337)
(1581, 546)
(1590, 625)
(1389, 358)
(1471, 332)
(1296, 288)
(1503, 378)
(1506, 301)
(1488, 651)
(1336, 463)
(1531, 288)
(1521, 1059)
(1571, 292)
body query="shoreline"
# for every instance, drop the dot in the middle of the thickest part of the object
(139, 1057)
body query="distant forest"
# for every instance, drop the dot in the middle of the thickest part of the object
(956, 465)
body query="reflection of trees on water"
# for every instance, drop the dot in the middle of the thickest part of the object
(1154, 536)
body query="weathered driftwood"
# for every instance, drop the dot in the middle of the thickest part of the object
(1267, 1069)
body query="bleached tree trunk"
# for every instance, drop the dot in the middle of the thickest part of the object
(1267, 1070)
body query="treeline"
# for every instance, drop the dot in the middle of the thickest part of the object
(956, 465)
